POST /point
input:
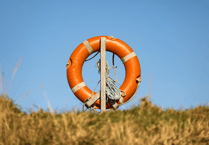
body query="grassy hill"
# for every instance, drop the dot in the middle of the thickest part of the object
(145, 124)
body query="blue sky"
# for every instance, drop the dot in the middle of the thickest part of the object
(170, 38)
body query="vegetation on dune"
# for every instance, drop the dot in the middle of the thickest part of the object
(142, 124)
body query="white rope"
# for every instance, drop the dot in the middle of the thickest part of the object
(114, 69)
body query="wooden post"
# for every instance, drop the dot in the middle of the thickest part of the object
(103, 73)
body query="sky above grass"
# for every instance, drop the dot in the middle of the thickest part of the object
(170, 38)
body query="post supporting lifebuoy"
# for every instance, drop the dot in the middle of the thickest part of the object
(103, 73)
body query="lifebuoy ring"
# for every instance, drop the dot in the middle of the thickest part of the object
(114, 45)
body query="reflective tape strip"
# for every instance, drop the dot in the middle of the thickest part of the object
(121, 100)
(78, 87)
(88, 46)
(127, 57)
(93, 100)
(115, 106)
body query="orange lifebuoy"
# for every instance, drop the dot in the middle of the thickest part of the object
(114, 45)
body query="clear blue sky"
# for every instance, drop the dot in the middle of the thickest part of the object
(170, 38)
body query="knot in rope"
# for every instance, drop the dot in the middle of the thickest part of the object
(112, 91)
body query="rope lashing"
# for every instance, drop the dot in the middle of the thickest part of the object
(112, 91)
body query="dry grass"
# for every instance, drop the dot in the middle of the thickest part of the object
(145, 124)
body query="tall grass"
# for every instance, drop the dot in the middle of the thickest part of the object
(144, 124)
(2, 82)
(13, 75)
